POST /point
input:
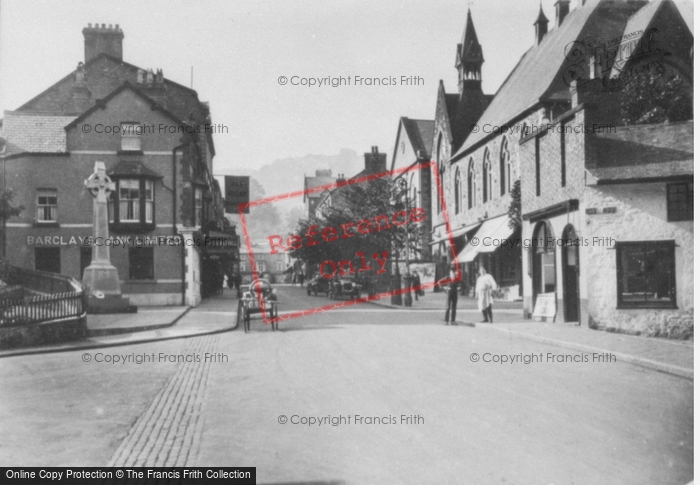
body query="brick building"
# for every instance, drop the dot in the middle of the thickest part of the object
(155, 138)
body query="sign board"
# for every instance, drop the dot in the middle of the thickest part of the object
(545, 307)
(236, 192)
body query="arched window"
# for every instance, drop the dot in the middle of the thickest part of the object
(458, 192)
(471, 185)
(506, 184)
(488, 177)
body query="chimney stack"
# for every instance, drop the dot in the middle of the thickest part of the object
(103, 40)
(375, 162)
(562, 8)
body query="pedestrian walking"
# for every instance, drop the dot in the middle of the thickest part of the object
(416, 284)
(485, 284)
(452, 292)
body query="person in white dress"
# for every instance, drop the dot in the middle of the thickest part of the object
(485, 284)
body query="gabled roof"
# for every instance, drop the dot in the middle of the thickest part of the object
(35, 132)
(311, 182)
(180, 100)
(124, 87)
(538, 76)
(639, 152)
(685, 8)
(420, 134)
(640, 22)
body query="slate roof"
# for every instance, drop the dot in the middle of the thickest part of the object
(641, 21)
(311, 182)
(470, 48)
(104, 74)
(420, 133)
(126, 86)
(640, 152)
(133, 169)
(539, 73)
(35, 132)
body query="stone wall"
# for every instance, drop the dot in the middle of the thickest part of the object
(640, 216)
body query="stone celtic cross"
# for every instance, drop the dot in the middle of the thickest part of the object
(99, 183)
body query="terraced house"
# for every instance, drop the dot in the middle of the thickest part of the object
(605, 178)
(155, 138)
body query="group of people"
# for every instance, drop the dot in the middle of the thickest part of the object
(485, 285)
(234, 280)
(298, 277)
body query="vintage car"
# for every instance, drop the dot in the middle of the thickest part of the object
(249, 303)
(343, 287)
(318, 284)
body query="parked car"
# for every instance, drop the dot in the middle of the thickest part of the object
(318, 284)
(343, 287)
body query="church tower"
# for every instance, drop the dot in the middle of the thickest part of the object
(472, 101)
(469, 58)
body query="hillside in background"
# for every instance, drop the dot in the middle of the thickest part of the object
(287, 175)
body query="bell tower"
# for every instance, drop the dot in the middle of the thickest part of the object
(469, 58)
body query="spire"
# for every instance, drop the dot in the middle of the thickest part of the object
(471, 49)
(540, 26)
(469, 57)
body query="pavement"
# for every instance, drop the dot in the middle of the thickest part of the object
(671, 356)
(217, 314)
(149, 324)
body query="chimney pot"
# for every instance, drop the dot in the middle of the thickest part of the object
(102, 41)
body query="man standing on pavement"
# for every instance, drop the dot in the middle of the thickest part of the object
(237, 279)
(452, 292)
(416, 284)
(485, 284)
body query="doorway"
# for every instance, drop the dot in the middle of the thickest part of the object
(544, 270)
(570, 261)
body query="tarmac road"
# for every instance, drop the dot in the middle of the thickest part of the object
(466, 420)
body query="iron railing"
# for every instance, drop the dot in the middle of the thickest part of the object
(47, 297)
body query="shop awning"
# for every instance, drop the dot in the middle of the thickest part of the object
(489, 237)
(457, 232)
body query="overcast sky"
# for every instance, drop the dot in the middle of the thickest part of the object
(240, 49)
